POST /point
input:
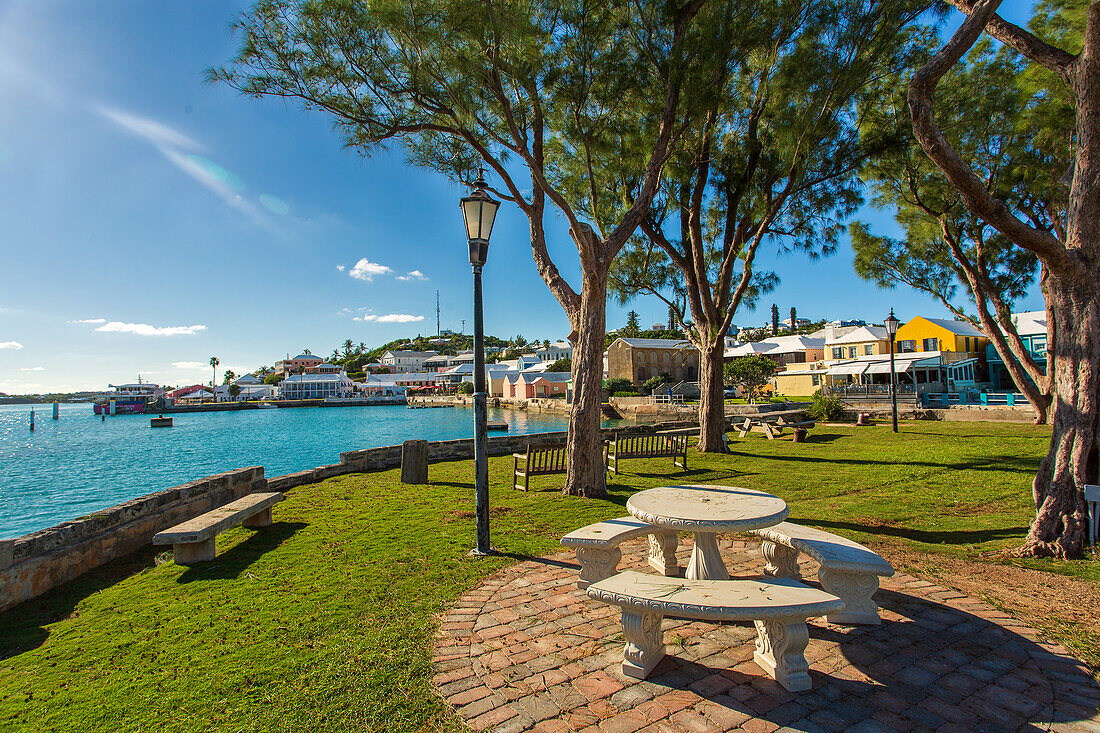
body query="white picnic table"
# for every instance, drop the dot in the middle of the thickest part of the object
(706, 510)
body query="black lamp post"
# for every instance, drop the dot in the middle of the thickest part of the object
(891, 329)
(479, 210)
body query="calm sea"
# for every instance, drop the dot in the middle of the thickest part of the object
(79, 464)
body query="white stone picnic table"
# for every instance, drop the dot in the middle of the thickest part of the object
(706, 510)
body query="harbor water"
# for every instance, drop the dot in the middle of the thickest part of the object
(80, 464)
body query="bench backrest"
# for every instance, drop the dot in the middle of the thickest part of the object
(1092, 503)
(545, 458)
(645, 446)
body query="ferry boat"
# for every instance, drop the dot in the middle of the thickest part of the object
(127, 399)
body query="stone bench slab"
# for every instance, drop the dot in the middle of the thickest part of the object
(598, 553)
(778, 607)
(208, 525)
(839, 553)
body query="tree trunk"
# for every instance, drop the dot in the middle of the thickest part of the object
(586, 474)
(712, 402)
(1060, 525)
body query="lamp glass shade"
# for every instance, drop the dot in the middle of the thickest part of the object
(479, 211)
(892, 324)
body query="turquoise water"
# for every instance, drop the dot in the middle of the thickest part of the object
(80, 464)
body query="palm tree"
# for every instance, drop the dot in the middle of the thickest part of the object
(214, 361)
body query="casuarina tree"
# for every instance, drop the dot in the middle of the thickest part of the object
(554, 98)
(773, 161)
(1064, 51)
(990, 119)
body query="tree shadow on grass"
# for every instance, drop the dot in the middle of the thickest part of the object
(232, 563)
(24, 627)
(932, 537)
(1002, 463)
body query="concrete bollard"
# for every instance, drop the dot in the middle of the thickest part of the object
(414, 462)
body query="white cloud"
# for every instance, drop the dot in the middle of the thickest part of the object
(389, 318)
(32, 369)
(89, 320)
(364, 269)
(10, 345)
(413, 275)
(144, 329)
(341, 268)
(190, 365)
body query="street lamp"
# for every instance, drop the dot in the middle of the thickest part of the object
(479, 210)
(891, 329)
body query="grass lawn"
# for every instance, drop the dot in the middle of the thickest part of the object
(324, 621)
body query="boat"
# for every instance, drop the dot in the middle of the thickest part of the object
(266, 405)
(128, 399)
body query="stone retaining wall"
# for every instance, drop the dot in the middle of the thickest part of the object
(33, 564)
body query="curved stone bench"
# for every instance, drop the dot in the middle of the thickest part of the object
(848, 569)
(778, 607)
(598, 553)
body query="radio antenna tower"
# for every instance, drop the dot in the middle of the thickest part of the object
(437, 314)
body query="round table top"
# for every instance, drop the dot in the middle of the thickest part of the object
(707, 508)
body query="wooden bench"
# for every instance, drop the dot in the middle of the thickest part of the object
(647, 446)
(779, 607)
(598, 553)
(1092, 501)
(773, 425)
(539, 460)
(193, 541)
(848, 569)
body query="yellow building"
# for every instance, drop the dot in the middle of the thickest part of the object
(957, 338)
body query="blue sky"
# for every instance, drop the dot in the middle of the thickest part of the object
(149, 221)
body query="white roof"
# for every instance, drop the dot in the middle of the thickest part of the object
(248, 379)
(425, 354)
(861, 334)
(656, 343)
(1030, 323)
(777, 345)
(315, 378)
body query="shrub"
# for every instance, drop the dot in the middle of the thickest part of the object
(654, 382)
(619, 384)
(825, 407)
(466, 388)
(623, 393)
(561, 365)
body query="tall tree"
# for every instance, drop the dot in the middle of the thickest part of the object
(214, 365)
(989, 119)
(632, 327)
(228, 376)
(794, 319)
(773, 159)
(528, 90)
(1068, 62)
(775, 320)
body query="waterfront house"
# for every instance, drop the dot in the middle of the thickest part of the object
(639, 359)
(406, 361)
(545, 384)
(303, 363)
(1032, 327)
(961, 348)
(557, 350)
(437, 363)
(315, 386)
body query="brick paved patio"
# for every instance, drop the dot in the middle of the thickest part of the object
(526, 650)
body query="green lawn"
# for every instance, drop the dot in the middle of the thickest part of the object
(324, 621)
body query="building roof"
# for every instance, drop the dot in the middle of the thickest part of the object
(861, 334)
(248, 379)
(656, 343)
(961, 328)
(777, 345)
(301, 378)
(411, 353)
(308, 357)
(555, 377)
(1030, 323)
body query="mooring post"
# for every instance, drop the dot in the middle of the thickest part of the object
(56, 410)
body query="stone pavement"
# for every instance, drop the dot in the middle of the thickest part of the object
(526, 650)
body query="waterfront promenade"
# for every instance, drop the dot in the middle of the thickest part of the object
(345, 613)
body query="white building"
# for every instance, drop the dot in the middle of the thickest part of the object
(557, 350)
(316, 386)
(406, 361)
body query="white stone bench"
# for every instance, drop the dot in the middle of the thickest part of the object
(779, 608)
(598, 553)
(848, 569)
(193, 541)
